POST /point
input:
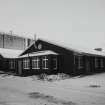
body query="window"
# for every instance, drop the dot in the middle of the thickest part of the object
(12, 64)
(102, 63)
(96, 62)
(36, 63)
(45, 62)
(55, 63)
(80, 62)
(26, 63)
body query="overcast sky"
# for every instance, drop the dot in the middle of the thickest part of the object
(79, 22)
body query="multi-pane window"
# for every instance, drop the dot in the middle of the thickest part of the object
(45, 62)
(26, 63)
(55, 63)
(35, 63)
(80, 62)
(96, 63)
(12, 64)
(101, 63)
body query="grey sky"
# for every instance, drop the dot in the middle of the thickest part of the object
(80, 22)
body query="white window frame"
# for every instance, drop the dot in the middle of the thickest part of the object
(80, 65)
(35, 63)
(26, 63)
(44, 62)
(56, 63)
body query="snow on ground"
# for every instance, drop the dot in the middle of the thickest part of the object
(85, 90)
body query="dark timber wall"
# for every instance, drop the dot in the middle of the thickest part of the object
(68, 60)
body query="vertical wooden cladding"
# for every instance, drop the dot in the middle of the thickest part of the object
(67, 63)
(54, 64)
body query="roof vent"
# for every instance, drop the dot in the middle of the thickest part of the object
(98, 49)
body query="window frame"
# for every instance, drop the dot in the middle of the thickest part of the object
(80, 62)
(35, 62)
(26, 63)
(45, 62)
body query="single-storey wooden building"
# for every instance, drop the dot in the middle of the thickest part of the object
(48, 57)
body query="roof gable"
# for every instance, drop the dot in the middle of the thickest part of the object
(42, 45)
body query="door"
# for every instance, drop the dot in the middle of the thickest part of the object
(88, 65)
(20, 67)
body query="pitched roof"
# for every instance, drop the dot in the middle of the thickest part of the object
(10, 53)
(76, 48)
(73, 48)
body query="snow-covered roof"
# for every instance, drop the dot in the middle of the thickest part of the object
(71, 47)
(39, 53)
(76, 48)
(92, 51)
(10, 53)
